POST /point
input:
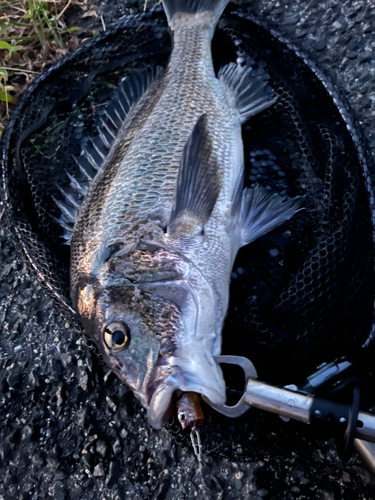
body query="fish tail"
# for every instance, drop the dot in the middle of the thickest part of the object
(213, 9)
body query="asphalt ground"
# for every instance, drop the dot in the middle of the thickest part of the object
(69, 430)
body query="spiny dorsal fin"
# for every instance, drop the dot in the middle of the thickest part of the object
(250, 89)
(96, 150)
(67, 226)
(71, 198)
(67, 210)
(79, 187)
(198, 182)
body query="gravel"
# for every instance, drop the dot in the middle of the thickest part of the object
(71, 431)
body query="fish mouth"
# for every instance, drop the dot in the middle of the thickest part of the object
(178, 374)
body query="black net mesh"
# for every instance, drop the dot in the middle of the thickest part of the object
(300, 295)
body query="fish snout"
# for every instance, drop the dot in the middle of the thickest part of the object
(199, 374)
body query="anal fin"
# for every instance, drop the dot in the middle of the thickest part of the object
(250, 88)
(198, 182)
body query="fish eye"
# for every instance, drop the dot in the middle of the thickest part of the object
(117, 336)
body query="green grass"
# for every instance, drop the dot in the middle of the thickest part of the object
(33, 35)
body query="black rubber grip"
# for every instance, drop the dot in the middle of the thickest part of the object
(331, 413)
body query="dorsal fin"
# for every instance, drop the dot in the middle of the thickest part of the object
(79, 187)
(96, 150)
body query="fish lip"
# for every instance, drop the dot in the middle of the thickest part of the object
(162, 390)
(160, 406)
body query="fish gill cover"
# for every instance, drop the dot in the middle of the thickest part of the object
(300, 295)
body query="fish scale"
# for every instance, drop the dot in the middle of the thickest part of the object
(169, 194)
(143, 179)
(158, 175)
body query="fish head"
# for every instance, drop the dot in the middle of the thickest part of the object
(153, 319)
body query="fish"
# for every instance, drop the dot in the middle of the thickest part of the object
(158, 212)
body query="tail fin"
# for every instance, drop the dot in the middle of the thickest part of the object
(214, 7)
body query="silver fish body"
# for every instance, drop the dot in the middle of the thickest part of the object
(165, 215)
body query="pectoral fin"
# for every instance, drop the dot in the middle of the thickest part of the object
(198, 182)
